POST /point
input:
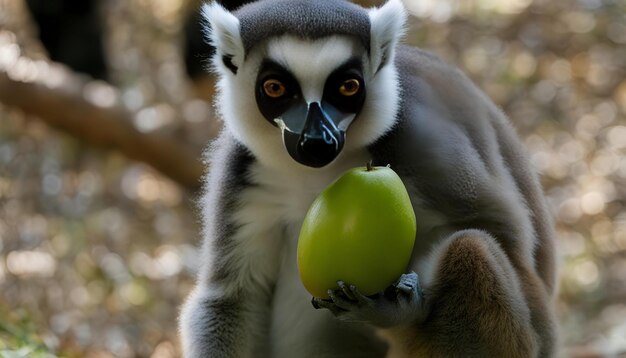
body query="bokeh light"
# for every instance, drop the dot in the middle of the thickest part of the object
(98, 251)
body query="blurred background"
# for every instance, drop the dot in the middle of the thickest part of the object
(105, 108)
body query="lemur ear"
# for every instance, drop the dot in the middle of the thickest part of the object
(222, 31)
(387, 27)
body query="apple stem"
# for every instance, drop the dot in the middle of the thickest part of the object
(369, 166)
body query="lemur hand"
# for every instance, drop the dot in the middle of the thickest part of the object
(401, 303)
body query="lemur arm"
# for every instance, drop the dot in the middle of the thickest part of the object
(480, 305)
(486, 291)
(490, 289)
(226, 314)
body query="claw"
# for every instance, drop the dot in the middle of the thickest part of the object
(347, 290)
(358, 296)
(342, 300)
(400, 303)
(407, 282)
(409, 285)
(314, 303)
(328, 304)
(320, 303)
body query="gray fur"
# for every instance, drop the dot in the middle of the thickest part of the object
(456, 149)
(309, 19)
(207, 317)
(439, 146)
(224, 323)
(228, 180)
(484, 250)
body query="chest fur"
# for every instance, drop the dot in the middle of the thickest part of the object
(282, 196)
(273, 208)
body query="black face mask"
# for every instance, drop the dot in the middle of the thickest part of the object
(313, 134)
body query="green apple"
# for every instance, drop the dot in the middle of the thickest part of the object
(360, 229)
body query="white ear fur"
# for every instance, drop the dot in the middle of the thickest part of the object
(387, 27)
(223, 33)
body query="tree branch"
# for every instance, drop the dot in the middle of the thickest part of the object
(58, 97)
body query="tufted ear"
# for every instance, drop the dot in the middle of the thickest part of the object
(387, 27)
(222, 31)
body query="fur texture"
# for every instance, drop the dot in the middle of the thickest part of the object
(484, 248)
(302, 18)
(388, 26)
(224, 34)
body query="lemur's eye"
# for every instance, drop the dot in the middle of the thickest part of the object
(349, 87)
(274, 88)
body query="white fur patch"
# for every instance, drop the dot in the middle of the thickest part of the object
(310, 61)
(387, 27)
(280, 199)
(378, 114)
(224, 35)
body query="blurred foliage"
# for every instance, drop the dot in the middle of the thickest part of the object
(100, 251)
(17, 339)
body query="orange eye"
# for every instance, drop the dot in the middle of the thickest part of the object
(274, 88)
(349, 87)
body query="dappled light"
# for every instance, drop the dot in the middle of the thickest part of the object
(99, 227)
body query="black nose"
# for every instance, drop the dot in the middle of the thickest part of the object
(320, 141)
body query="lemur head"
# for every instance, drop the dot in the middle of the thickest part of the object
(306, 79)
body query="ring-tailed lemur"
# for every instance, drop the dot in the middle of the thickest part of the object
(309, 89)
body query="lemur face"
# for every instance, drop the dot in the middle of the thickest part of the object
(295, 89)
(311, 93)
